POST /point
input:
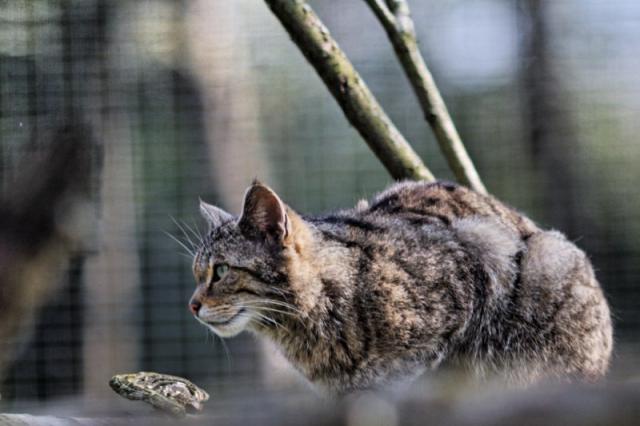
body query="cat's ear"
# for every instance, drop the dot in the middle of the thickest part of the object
(214, 216)
(264, 215)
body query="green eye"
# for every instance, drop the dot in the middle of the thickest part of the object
(220, 271)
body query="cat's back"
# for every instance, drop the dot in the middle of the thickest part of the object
(411, 221)
(401, 216)
(446, 202)
(541, 292)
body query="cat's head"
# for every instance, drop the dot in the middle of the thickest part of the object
(241, 267)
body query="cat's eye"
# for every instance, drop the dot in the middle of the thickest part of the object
(219, 271)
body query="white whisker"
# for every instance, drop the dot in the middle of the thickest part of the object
(186, 235)
(295, 313)
(189, 251)
(196, 236)
(226, 351)
(200, 234)
(264, 308)
(269, 319)
(282, 304)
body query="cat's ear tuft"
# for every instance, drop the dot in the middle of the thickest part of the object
(264, 215)
(214, 216)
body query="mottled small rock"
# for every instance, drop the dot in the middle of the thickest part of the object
(171, 394)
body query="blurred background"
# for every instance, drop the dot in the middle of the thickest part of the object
(115, 116)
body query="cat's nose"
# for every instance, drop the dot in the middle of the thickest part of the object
(194, 307)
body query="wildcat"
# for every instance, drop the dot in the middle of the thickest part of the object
(422, 276)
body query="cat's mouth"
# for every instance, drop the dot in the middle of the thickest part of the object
(227, 327)
(222, 323)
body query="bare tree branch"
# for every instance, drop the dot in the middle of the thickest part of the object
(345, 84)
(395, 17)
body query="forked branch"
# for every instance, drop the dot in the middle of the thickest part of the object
(345, 84)
(395, 17)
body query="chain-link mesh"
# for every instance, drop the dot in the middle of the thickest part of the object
(194, 99)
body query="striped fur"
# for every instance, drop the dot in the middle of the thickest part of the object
(421, 276)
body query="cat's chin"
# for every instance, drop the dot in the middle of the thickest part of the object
(231, 328)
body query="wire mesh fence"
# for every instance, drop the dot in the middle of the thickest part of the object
(188, 100)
